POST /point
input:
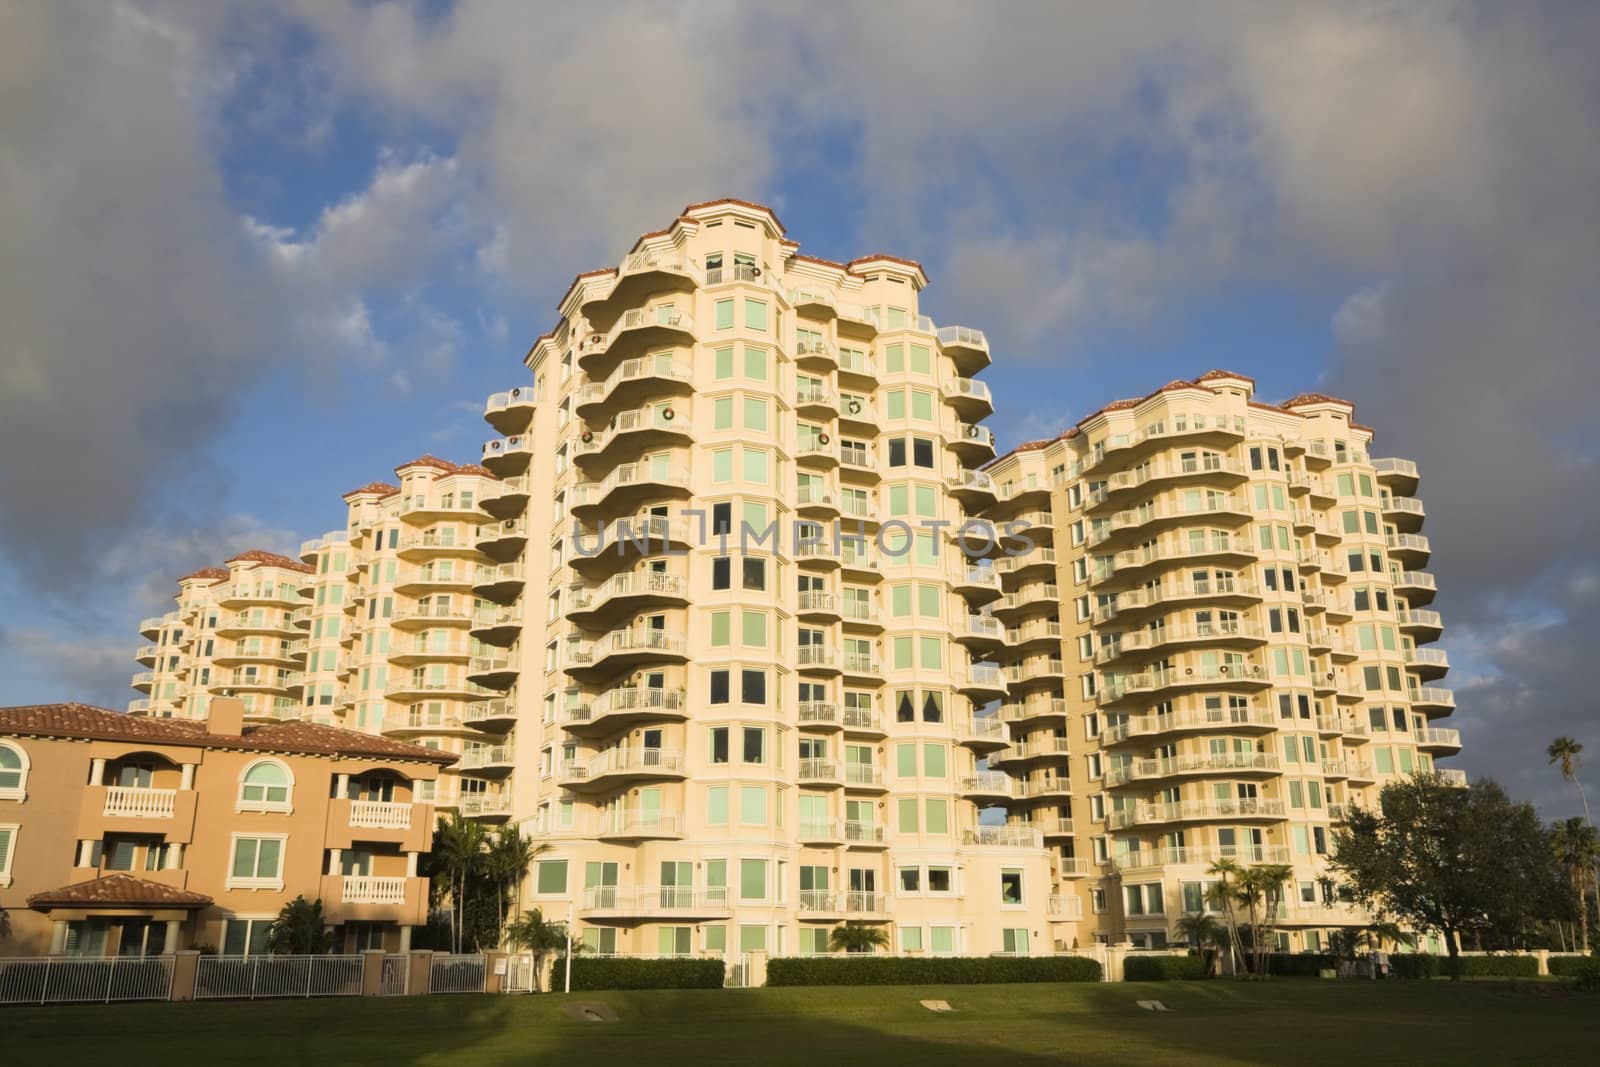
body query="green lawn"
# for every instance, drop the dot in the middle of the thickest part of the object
(1299, 1021)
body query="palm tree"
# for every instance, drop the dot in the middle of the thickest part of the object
(1221, 895)
(1568, 752)
(1261, 887)
(458, 849)
(1200, 930)
(505, 863)
(299, 930)
(1577, 848)
(534, 934)
(856, 936)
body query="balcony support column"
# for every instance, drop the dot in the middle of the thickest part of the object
(411, 864)
(58, 938)
(175, 856)
(186, 781)
(334, 856)
(85, 853)
(170, 945)
(341, 785)
(97, 771)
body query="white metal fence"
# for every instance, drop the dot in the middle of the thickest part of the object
(457, 974)
(396, 978)
(73, 980)
(256, 977)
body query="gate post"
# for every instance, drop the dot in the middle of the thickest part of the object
(185, 964)
(372, 972)
(420, 977)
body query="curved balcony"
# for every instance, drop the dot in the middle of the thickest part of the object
(510, 412)
(147, 655)
(1028, 597)
(506, 498)
(1138, 564)
(817, 503)
(1192, 856)
(503, 540)
(1421, 624)
(495, 624)
(1406, 512)
(971, 399)
(446, 542)
(634, 431)
(862, 666)
(817, 452)
(1418, 587)
(496, 715)
(310, 550)
(818, 716)
(1149, 519)
(1428, 664)
(1412, 550)
(623, 707)
(982, 733)
(242, 623)
(816, 353)
(265, 592)
(816, 303)
(1051, 788)
(1052, 828)
(635, 331)
(1232, 764)
(981, 632)
(818, 605)
(622, 649)
(1142, 602)
(622, 766)
(817, 401)
(856, 415)
(628, 486)
(1144, 686)
(623, 594)
(1201, 720)
(1030, 750)
(1040, 632)
(982, 682)
(816, 659)
(483, 807)
(986, 788)
(1032, 670)
(494, 670)
(1038, 560)
(627, 824)
(406, 689)
(1433, 700)
(1154, 640)
(974, 489)
(144, 681)
(819, 833)
(967, 348)
(1209, 469)
(456, 612)
(634, 380)
(501, 583)
(446, 647)
(641, 275)
(861, 722)
(979, 584)
(420, 581)
(1400, 475)
(1013, 835)
(1439, 741)
(508, 456)
(487, 760)
(1128, 447)
(1188, 811)
(820, 774)
(863, 778)
(654, 902)
(152, 626)
(1039, 711)
(972, 444)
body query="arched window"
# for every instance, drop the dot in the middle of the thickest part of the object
(13, 771)
(266, 785)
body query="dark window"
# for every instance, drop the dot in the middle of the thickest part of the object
(722, 518)
(755, 573)
(719, 687)
(904, 709)
(719, 741)
(922, 452)
(932, 708)
(755, 744)
(721, 573)
(897, 451)
(754, 687)
(1255, 459)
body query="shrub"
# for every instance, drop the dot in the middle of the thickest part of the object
(1569, 966)
(936, 970)
(1586, 976)
(1300, 965)
(1163, 968)
(1423, 965)
(590, 973)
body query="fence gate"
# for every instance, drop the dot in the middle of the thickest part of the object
(75, 980)
(519, 974)
(457, 974)
(396, 980)
(738, 976)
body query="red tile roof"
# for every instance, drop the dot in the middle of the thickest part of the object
(444, 465)
(820, 261)
(87, 722)
(211, 574)
(741, 203)
(381, 488)
(1212, 375)
(119, 890)
(271, 559)
(1305, 399)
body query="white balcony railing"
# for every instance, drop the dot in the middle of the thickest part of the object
(374, 889)
(130, 802)
(380, 814)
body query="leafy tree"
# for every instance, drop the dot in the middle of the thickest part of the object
(1205, 935)
(1221, 895)
(1568, 753)
(1577, 848)
(533, 933)
(299, 930)
(856, 936)
(1460, 861)
(457, 861)
(1260, 890)
(1346, 941)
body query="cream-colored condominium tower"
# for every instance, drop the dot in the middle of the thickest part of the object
(1214, 646)
(744, 651)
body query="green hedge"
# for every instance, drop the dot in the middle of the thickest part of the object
(1300, 964)
(937, 970)
(621, 973)
(1423, 965)
(1163, 968)
(1570, 966)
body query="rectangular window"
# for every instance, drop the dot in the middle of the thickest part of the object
(753, 881)
(755, 314)
(724, 314)
(717, 805)
(722, 360)
(550, 876)
(753, 805)
(257, 863)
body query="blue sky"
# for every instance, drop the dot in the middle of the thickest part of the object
(256, 258)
